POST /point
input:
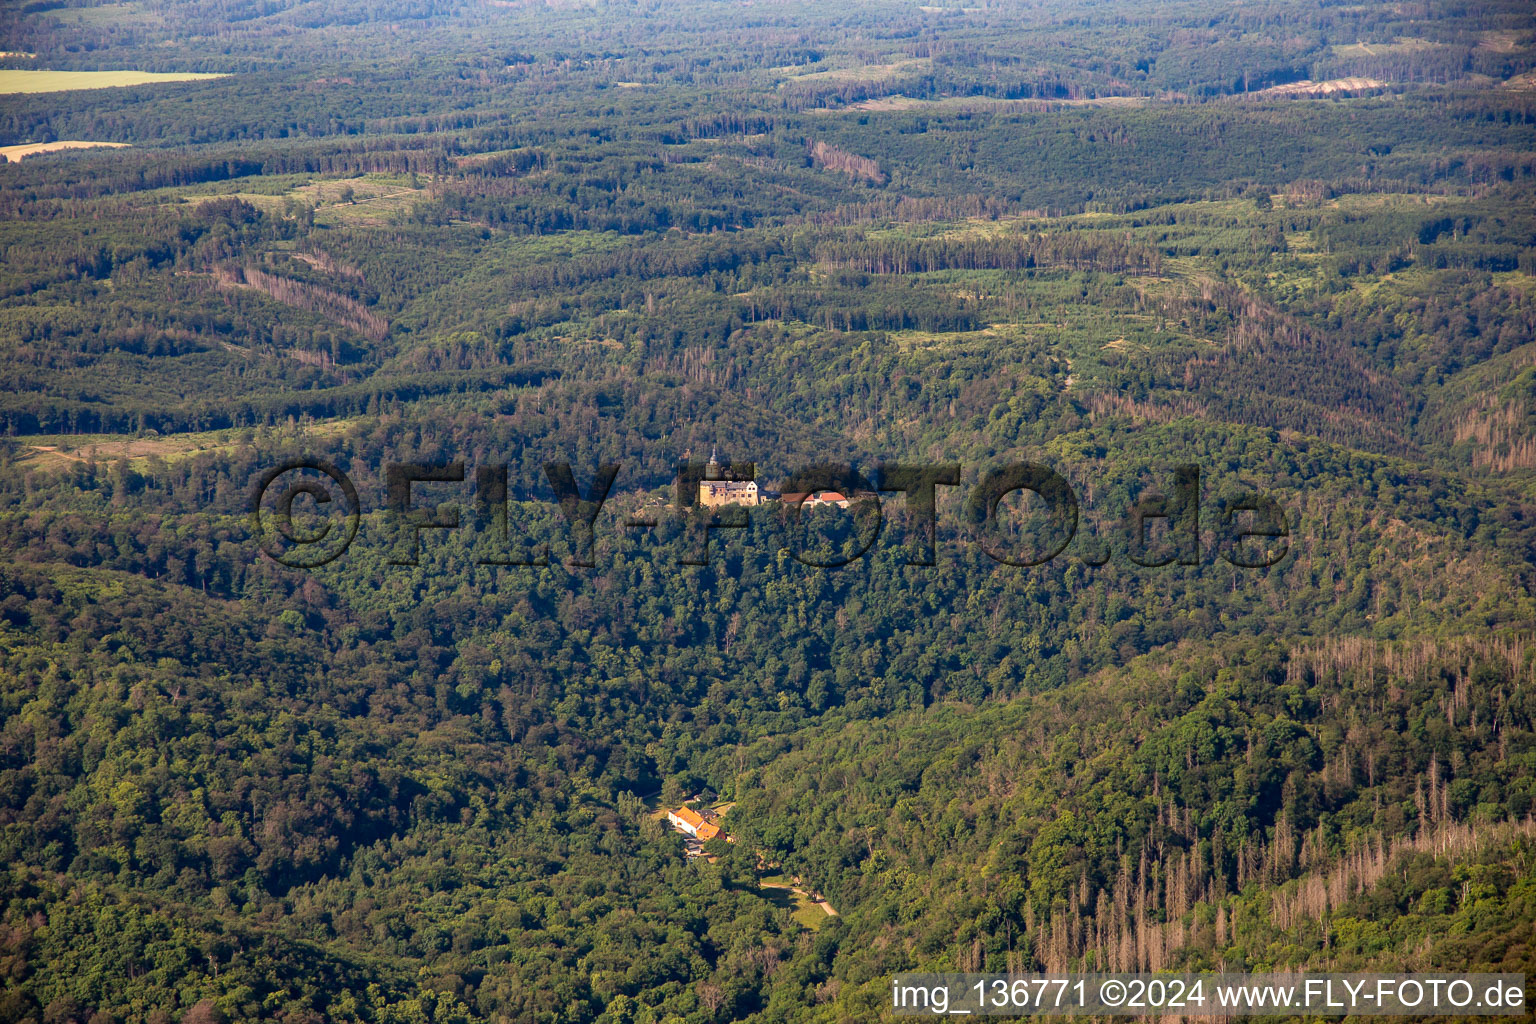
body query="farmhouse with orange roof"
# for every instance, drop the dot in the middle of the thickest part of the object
(690, 821)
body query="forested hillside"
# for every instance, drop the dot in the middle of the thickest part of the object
(1289, 244)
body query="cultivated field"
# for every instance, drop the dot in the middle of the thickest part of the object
(14, 153)
(25, 80)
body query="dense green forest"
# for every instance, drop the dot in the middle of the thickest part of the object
(1291, 243)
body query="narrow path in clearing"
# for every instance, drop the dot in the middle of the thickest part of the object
(823, 904)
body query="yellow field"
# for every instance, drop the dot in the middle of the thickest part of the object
(14, 153)
(14, 80)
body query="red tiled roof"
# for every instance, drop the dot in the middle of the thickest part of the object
(689, 816)
(705, 830)
(796, 497)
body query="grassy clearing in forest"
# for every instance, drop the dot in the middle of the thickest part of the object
(55, 451)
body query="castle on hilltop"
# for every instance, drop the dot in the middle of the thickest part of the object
(716, 492)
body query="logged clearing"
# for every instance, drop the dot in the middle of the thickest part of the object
(14, 153)
(962, 103)
(1499, 42)
(1309, 88)
(25, 80)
